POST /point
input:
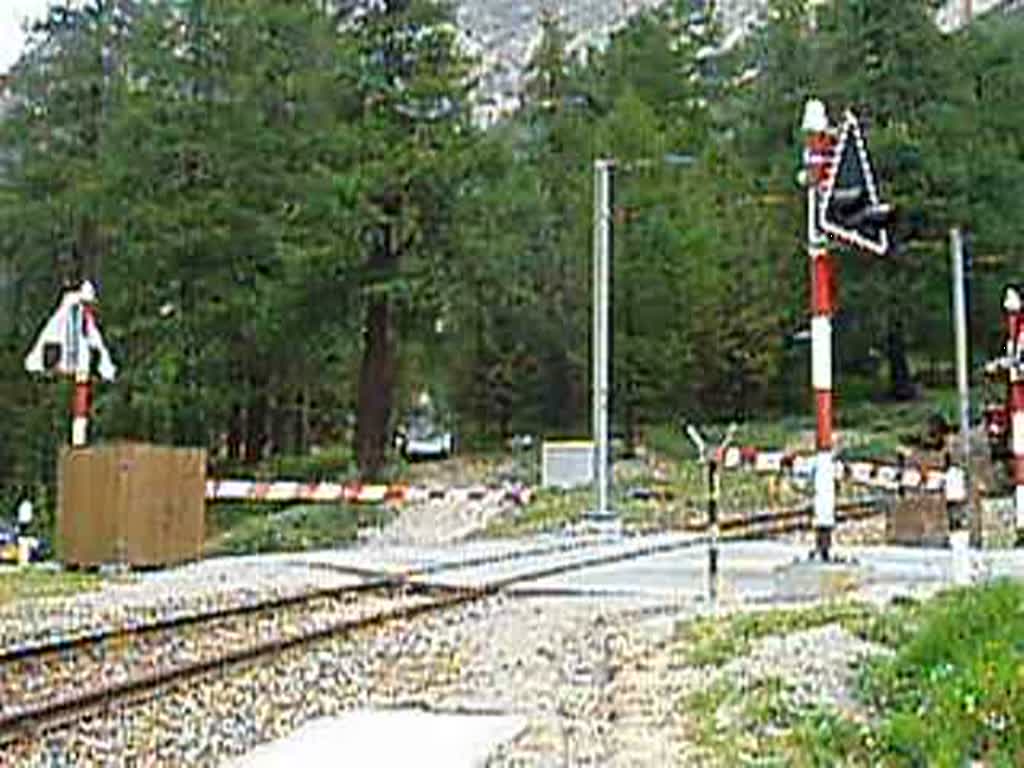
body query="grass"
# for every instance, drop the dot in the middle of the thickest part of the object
(550, 510)
(35, 583)
(963, 669)
(951, 693)
(713, 641)
(249, 529)
(742, 725)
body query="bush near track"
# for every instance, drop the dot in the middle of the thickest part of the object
(953, 693)
(950, 693)
(242, 529)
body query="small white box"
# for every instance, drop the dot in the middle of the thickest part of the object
(567, 464)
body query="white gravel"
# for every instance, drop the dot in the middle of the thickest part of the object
(191, 589)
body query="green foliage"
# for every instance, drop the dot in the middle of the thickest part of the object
(330, 464)
(38, 584)
(742, 725)
(961, 668)
(242, 530)
(712, 641)
(549, 511)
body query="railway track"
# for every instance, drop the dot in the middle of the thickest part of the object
(326, 612)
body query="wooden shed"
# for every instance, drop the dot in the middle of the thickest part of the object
(130, 503)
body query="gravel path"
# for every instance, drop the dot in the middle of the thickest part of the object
(439, 521)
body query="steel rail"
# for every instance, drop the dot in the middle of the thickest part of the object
(70, 708)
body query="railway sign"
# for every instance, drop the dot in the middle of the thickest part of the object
(67, 343)
(851, 211)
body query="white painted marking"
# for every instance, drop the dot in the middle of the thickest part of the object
(284, 491)
(821, 352)
(733, 457)
(803, 466)
(328, 492)
(889, 477)
(769, 461)
(959, 542)
(956, 486)
(1017, 440)
(911, 478)
(389, 739)
(234, 489)
(824, 491)
(79, 431)
(862, 471)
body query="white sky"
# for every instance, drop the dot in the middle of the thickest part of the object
(12, 39)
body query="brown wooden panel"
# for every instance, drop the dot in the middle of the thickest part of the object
(131, 502)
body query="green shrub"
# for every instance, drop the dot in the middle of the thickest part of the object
(249, 529)
(953, 692)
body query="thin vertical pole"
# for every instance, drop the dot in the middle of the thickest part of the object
(1015, 406)
(962, 382)
(80, 410)
(602, 258)
(822, 285)
(78, 354)
(714, 493)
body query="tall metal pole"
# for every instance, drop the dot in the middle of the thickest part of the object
(603, 194)
(822, 282)
(960, 323)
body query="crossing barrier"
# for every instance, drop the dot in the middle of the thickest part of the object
(357, 493)
(910, 476)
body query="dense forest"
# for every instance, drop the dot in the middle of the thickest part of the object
(295, 226)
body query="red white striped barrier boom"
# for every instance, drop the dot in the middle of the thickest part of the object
(889, 477)
(285, 490)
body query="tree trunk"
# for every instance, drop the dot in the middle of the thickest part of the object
(901, 386)
(376, 388)
(234, 445)
(378, 373)
(279, 426)
(301, 426)
(255, 424)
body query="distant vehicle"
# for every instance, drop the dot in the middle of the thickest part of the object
(9, 545)
(422, 436)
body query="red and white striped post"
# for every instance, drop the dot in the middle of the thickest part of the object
(1015, 359)
(80, 402)
(820, 145)
(83, 322)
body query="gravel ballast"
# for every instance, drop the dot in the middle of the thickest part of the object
(596, 682)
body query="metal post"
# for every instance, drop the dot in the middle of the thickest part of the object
(78, 353)
(962, 381)
(80, 410)
(817, 160)
(1015, 364)
(602, 258)
(714, 492)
